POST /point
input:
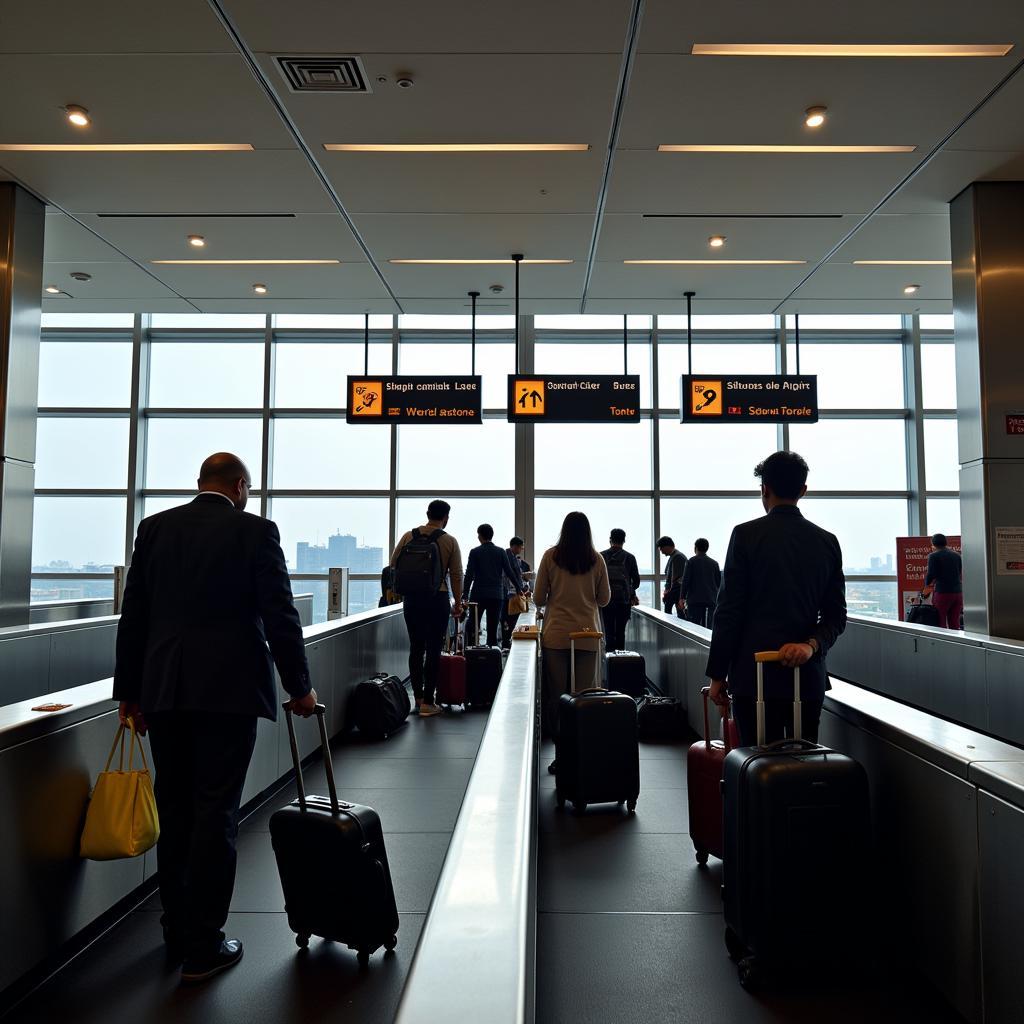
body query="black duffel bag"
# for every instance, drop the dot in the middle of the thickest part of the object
(380, 706)
(660, 718)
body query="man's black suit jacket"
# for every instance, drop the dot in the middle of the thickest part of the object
(701, 580)
(208, 589)
(782, 583)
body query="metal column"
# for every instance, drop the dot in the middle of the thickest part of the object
(988, 305)
(21, 288)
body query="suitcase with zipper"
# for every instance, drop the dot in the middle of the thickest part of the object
(598, 752)
(659, 720)
(626, 672)
(333, 865)
(483, 670)
(451, 675)
(380, 706)
(797, 847)
(704, 761)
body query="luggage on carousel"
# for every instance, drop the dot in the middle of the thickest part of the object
(626, 672)
(598, 755)
(704, 762)
(483, 669)
(333, 865)
(797, 852)
(923, 613)
(451, 675)
(380, 706)
(659, 719)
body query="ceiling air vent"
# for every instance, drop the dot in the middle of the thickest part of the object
(330, 73)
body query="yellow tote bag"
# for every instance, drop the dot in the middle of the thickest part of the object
(518, 603)
(121, 820)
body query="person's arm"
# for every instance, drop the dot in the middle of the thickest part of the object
(455, 573)
(467, 583)
(511, 569)
(542, 588)
(405, 538)
(930, 576)
(131, 637)
(732, 600)
(684, 588)
(832, 616)
(717, 576)
(603, 587)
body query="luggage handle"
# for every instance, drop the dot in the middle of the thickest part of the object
(760, 658)
(320, 710)
(797, 744)
(581, 634)
(707, 728)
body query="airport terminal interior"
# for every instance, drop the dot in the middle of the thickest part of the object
(599, 256)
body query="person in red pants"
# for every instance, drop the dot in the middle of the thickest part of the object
(945, 575)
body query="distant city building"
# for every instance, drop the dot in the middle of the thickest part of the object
(341, 549)
(878, 565)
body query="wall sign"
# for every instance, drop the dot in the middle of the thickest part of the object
(414, 400)
(1015, 423)
(912, 566)
(721, 398)
(572, 398)
(1009, 550)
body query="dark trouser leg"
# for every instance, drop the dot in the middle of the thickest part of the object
(492, 609)
(435, 622)
(510, 627)
(414, 614)
(949, 607)
(778, 719)
(615, 618)
(701, 614)
(555, 666)
(672, 603)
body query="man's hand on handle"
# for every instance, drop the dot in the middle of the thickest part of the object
(129, 709)
(795, 655)
(719, 696)
(303, 706)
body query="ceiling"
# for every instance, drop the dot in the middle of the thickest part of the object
(204, 71)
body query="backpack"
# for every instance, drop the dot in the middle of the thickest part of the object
(616, 563)
(418, 566)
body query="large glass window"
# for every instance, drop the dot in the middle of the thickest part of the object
(596, 357)
(593, 457)
(467, 514)
(708, 357)
(853, 455)
(943, 516)
(494, 362)
(853, 376)
(941, 455)
(318, 534)
(85, 373)
(177, 447)
(468, 456)
(321, 454)
(938, 376)
(634, 515)
(867, 529)
(82, 452)
(686, 519)
(313, 374)
(713, 457)
(206, 375)
(77, 534)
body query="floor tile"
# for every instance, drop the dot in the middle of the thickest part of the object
(659, 810)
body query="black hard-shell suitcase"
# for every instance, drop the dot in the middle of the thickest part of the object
(797, 854)
(483, 669)
(380, 706)
(333, 865)
(598, 753)
(659, 719)
(626, 672)
(923, 614)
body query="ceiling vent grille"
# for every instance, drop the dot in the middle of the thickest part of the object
(310, 73)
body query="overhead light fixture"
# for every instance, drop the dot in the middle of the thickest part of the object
(716, 241)
(814, 117)
(242, 263)
(52, 289)
(196, 241)
(260, 289)
(713, 263)
(77, 115)
(80, 275)
(457, 147)
(784, 149)
(851, 49)
(902, 263)
(480, 263)
(128, 147)
(911, 289)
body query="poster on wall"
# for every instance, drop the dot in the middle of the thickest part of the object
(1010, 550)
(912, 567)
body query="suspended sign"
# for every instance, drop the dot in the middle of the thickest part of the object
(414, 400)
(717, 398)
(572, 398)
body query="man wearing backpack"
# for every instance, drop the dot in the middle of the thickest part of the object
(427, 562)
(624, 580)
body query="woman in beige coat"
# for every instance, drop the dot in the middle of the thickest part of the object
(572, 588)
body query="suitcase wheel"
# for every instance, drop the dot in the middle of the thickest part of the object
(302, 941)
(631, 806)
(391, 943)
(750, 973)
(737, 951)
(702, 857)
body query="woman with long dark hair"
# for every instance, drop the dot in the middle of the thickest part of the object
(572, 588)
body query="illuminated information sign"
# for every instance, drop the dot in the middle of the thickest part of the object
(573, 398)
(721, 398)
(414, 400)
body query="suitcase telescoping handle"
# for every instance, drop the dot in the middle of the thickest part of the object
(707, 727)
(580, 634)
(320, 711)
(760, 658)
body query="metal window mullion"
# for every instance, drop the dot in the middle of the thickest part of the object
(917, 512)
(396, 340)
(656, 452)
(267, 439)
(137, 432)
(525, 494)
(781, 366)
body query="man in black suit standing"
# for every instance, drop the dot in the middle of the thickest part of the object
(782, 589)
(701, 580)
(207, 591)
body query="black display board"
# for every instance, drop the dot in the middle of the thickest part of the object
(573, 398)
(414, 400)
(728, 398)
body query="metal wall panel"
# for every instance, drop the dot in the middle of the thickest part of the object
(1004, 686)
(24, 666)
(81, 655)
(952, 676)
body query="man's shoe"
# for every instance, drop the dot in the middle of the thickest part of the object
(418, 707)
(200, 969)
(429, 709)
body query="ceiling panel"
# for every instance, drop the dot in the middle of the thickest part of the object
(121, 305)
(949, 173)
(314, 305)
(899, 237)
(455, 282)
(611, 280)
(349, 280)
(67, 240)
(844, 280)
(867, 305)
(121, 280)
(998, 125)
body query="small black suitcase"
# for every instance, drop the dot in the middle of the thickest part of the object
(797, 850)
(380, 706)
(333, 865)
(626, 672)
(659, 719)
(483, 674)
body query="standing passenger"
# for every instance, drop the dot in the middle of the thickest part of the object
(487, 571)
(701, 580)
(623, 583)
(946, 573)
(427, 561)
(674, 569)
(515, 549)
(572, 587)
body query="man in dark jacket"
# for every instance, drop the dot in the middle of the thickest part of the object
(782, 590)
(486, 571)
(945, 575)
(674, 569)
(701, 580)
(514, 551)
(624, 581)
(207, 591)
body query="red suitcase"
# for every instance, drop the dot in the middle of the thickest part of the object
(704, 762)
(451, 676)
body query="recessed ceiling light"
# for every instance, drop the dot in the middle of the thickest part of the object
(77, 115)
(713, 263)
(260, 289)
(242, 263)
(851, 49)
(52, 289)
(474, 263)
(457, 147)
(129, 147)
(784, 149)
(716, 241)
(814, 117)
(911, 289)
(902, 263)
(196, 241)
(80, 275)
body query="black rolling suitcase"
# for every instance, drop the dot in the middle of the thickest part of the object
(660, 719)
(333, 865)
(598, 754)
(380, 706)
(923, 613)
(626, 672)
(483, 671)
(798, 852)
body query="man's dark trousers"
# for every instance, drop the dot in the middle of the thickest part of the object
(778, 719)
(701, 614)
(494, 609)
(672, 603)
(426, 618)
(201, 760)
(615, 616)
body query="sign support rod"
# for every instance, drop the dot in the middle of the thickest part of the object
(517, 258)
(366, 344)
(625, 344)
(796, 339)
(689, 331)
(473, 296)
